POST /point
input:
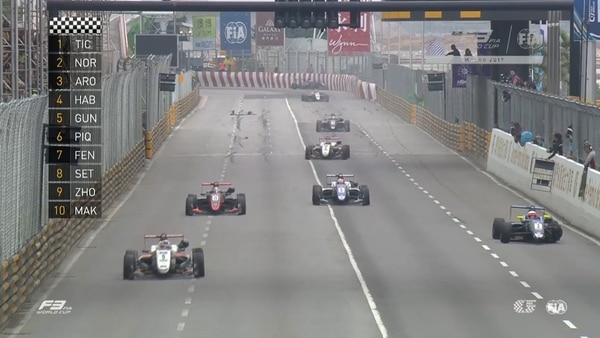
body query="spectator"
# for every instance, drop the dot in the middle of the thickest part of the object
(539, 141)
(453, 51)
(521, 136)
(557, 145)
(569, 136)
(468, 52)
(514, 79)
(590, 160)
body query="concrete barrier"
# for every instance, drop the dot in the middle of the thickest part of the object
(513, 163)
(335, 82)
(24, 272)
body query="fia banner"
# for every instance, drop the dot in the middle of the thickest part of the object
(346, 41)
(266, 33)
(236, 35)
(204, 33)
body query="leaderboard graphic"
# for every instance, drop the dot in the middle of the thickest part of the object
(74, 132)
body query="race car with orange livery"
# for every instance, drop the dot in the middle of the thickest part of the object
(216, 201)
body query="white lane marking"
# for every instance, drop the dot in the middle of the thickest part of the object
(436, 201)
(470, 232)
(494, 255)
(188, 301)
(462, 226)
(485, 247)
(514, 274)
(442, 207)
(191, 289)
(77, 252)
(205, 235)
(180, 326)
(455, 220)
(525, 284)
(185, 313)
(570, 324)
(207, 228)
(477, 239)
(202, 243)
(504, 264)
(359, 275)
(537, 295)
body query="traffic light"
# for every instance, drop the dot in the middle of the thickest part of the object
(319, 18)
(333, 18)
(307, 18)
(354, 17)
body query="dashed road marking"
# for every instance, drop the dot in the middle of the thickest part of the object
(185, 313)
(537, 295)
(477, 239)
(180, 326)
(366, 291)
(504, 264)
(188, 301)
(191, 288)
(513, 273)
(469, 232)
(485, 247)
(570, 324)
(525, 284)
(494, 255)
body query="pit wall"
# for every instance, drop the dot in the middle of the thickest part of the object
(24, 272)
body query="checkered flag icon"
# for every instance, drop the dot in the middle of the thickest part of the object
(524, 306)
(70, 25)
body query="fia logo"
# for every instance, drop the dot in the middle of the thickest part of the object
(524, 306)
(236, 33)
(528, 40)
(556, 307)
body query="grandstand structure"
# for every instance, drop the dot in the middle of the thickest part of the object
(24, 70)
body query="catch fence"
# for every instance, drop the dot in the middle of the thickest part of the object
(486, 104)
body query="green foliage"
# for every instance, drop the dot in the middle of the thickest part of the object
(565, 44)
(145, 26)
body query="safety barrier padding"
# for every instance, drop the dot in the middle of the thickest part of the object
(334, 82)
(466, 138)
(24, 272)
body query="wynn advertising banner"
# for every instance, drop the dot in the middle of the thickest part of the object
(346, 41)
(236, 34)
(266, 33)
(204, 33)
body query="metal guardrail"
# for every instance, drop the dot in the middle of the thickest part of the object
(31, 251)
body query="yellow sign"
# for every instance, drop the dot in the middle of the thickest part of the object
(205, 27)
(181, 78)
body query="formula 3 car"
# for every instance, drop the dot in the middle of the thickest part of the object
(340, 189)
(163, 259)
(332, 122)
(216, 201)
(535, 226)
(328, 148)
(309, 85)
(315, 96)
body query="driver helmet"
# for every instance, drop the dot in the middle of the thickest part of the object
(165, 243)
(216, 186)
(340, 178)
(532, 214)
(163, 237)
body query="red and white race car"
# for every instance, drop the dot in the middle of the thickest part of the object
(216, 201)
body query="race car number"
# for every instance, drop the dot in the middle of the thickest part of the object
(163, 256)
(341, 190)
(215, 198)
(538, 226)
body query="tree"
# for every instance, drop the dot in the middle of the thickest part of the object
(542, 74)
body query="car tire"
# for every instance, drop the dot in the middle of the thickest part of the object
(497, 227)
(190, 202)
(366, 196)
(198, 262)
(345, 152)
(130, 264)
(308, 153)
(241, 203)
(317, 193)
(505, 232)
(557, 230)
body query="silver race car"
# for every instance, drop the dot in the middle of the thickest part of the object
(332, 122)
(315, 96)
(328, 148)
(164, 259)
(341, 189)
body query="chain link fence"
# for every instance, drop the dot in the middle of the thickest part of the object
(131, 102)
(490, 104)
(21, 137)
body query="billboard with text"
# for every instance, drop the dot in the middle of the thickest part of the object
(345, 41)
(236, 34)
(266, 33)
(204, 33)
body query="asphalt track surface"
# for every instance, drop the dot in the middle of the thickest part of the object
(423, 246)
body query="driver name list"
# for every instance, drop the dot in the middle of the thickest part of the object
(74, 134)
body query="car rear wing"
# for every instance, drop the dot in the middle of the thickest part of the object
(329, 138)
(168, 236)
(332, 177)
(528, 208)
(205, 184)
